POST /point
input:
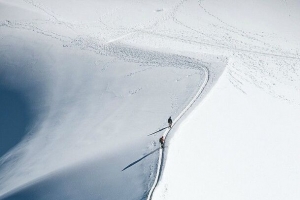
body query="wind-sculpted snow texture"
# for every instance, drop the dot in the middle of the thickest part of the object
(94, 104)
(100, 76)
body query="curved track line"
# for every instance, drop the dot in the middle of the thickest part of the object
(161, 151)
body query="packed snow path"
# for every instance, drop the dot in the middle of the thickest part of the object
(161, 152)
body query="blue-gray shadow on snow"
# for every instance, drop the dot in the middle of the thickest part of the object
(99, 178)
(130, 165)
(15, 117)
(26, 194)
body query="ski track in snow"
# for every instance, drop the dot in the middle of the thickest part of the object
(240, 45)
(142, 29)
(149, 29)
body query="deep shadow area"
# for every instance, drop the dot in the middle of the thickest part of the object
(91, 180)
(130, 165)
(24, 195)
(15, 118)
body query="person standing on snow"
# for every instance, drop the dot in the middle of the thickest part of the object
(162, 141)
(170, 122)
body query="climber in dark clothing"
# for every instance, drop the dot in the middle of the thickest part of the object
(162, 141)
(170, 122)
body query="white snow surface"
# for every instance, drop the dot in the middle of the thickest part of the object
(100, 76)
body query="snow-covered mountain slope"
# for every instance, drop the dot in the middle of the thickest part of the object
(94, 103)
(242, 142)
(99, 76)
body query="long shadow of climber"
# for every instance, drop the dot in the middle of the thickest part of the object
(130, 165)
(159, 130)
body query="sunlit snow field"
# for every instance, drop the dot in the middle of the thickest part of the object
(83, 84)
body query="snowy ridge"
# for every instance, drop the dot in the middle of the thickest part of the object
(161, 152)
